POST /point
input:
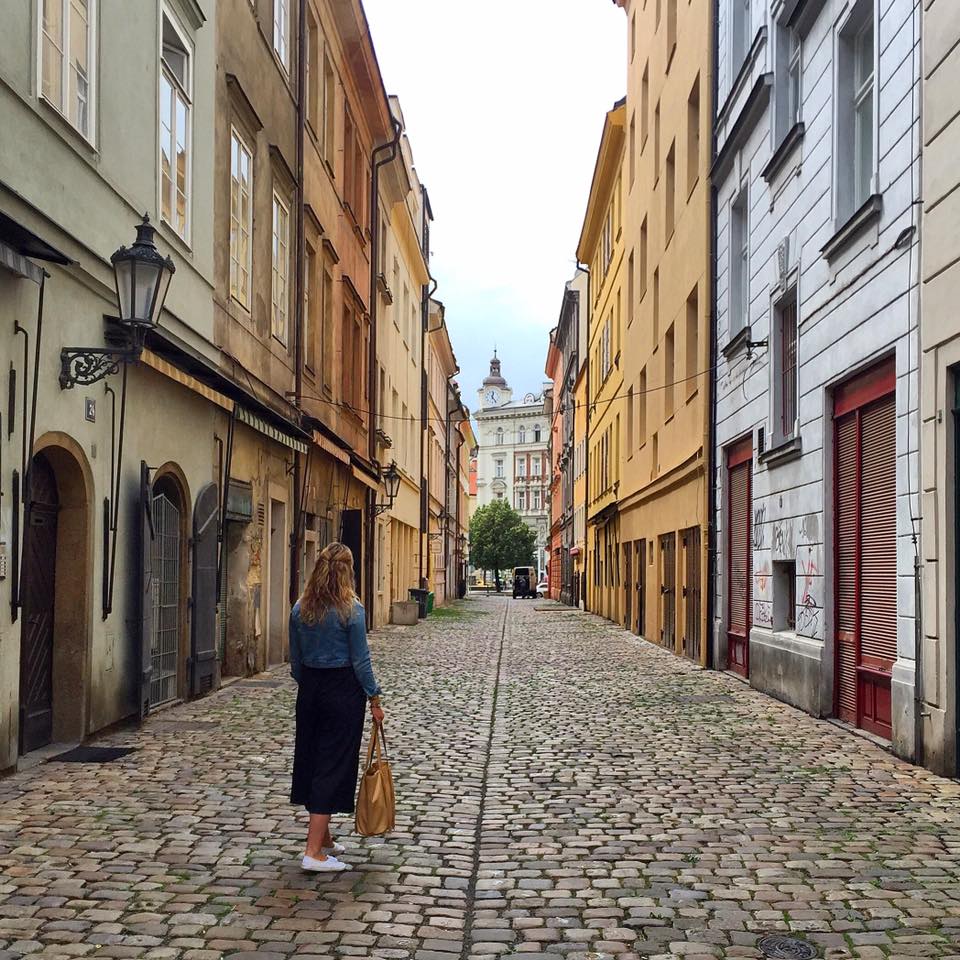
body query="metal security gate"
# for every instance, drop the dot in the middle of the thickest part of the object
(36, 644)
(739, 556)
(668, 590)
(165, 564)
(866, 549)
(691, 594)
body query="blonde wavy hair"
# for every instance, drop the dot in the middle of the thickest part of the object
(331, 585)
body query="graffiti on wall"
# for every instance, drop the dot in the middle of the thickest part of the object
(809, 596)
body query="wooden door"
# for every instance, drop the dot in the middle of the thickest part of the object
(627, 585)
(668, 591)
(641, 627)
(691, 594)
(739, 556)
(203, 620)
(39, 604)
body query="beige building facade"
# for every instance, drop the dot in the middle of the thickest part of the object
(666, 386)
(938, 744)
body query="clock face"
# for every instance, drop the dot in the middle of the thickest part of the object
(492, 396)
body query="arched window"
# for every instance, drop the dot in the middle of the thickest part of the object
(522, 435)
(536, 433)
(499, 436)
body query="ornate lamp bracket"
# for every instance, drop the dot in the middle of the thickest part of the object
(82, 366)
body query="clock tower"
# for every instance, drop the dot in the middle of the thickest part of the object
(494, 392)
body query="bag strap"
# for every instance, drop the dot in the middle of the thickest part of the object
(375, 744)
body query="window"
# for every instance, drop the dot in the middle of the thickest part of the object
(693, 343)
(788, 88)
(175, 81)
(281, 32)
(314, 77)
(281, 270)
(739, 33)
(67, 67)
(537, 465)
(656, 307)
(656, 23)
(633, 36)
(693, 136)
(633, 149)
(645, 104)
(311, 307)
(630, 289)
(329, 94)
(855, 105)
(656, 142)
(671, 30)
(739, 264)
(521, 466)
(536, 433)
(327, 336)
(642, 408)
(669, 374)
(522, 435)
(643, 258)
(354, 346)
(630, 422)
(784, 595)
(785, 368)
(498, 464)
(536, 499)
(499, 436)
(241, 218)
(670, 191)
(605, 349)
(521, 499)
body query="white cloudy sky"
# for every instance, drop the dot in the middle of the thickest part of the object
(504, 102)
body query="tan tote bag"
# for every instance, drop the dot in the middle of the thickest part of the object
(376, 803)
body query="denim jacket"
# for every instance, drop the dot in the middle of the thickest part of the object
(331, 643)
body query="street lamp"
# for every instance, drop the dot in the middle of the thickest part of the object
(142, 277)
(391, 481)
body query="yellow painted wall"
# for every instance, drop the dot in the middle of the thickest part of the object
(667, 224)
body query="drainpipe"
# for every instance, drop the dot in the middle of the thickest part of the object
(426, 296)
(382, 155)
(586, 458)
(296, 550)
(711, 452)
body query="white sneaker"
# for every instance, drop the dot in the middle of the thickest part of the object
(337, 848)
(330, 865)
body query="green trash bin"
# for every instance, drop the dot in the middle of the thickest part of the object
(430, 599)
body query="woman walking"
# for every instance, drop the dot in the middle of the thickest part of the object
(330, 660)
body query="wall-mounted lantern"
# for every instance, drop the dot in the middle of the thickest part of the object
(142, 276)
(391, 481)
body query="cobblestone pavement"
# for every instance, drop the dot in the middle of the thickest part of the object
(564, 790)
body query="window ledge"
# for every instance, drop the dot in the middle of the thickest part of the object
(738, 340)
(784, 452)
(867, 214)
(784, 152)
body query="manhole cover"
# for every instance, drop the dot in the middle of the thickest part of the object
(788, 948)
(93, 754)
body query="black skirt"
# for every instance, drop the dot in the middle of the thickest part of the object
(326, 756)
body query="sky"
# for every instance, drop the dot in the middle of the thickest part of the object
(504, 103)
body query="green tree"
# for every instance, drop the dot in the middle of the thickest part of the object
(499, 539)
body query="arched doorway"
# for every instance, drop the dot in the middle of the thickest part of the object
(54, 638)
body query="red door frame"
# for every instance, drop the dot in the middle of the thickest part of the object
(851, 397)
(737, 455)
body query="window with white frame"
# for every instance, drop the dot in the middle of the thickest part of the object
(281, 269)
(788, 80)
(281, 31)
(537, 466)
(739, 264)
(67, 64)
(498, 468)
(175, 97)
(521, 499)
(522, 435)
(522, 467)
(855, 111)
(739, 34)
(537, 498)
(785, 387)
(499, 436)
(241, 217)
(536, 433)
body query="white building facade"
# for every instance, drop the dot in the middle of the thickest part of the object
(512, 459)
(816, 177)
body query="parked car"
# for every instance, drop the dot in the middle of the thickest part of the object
(543, 589)
(524, 583)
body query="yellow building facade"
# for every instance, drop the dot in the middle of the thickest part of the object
(663, 492)
(601, 247)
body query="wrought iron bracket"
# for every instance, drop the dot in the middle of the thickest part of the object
(379, 508)
(81, 366)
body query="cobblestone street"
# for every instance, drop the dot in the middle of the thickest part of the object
(563, 789)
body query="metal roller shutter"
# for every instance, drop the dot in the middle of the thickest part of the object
(740, 568)
(847, 558)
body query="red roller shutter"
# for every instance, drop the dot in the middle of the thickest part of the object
(866, 548)
(739, 466)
